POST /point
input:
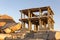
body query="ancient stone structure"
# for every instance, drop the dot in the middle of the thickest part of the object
(43, 22)
(40, 19)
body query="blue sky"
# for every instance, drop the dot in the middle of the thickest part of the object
(12, 7)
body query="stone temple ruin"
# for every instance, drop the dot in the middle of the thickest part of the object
(39, 23)
(7, 23)
(37, 17)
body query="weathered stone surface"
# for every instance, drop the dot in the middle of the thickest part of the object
(2, 36)
(5, 17)
(57, 35)
(41, 35)
(8, 25)
(2, 24)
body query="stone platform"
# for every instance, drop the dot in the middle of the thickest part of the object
(40, 35)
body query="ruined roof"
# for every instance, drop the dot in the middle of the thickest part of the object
(25, 11)
(5, 17)
(6, 21)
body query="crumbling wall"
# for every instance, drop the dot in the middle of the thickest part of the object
(13, 28)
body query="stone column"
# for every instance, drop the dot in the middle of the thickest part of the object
(35, 28)
(21, 14)
(40, 23)
(52, 25)
(29, 21)
(44, 25)
(48, 19)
